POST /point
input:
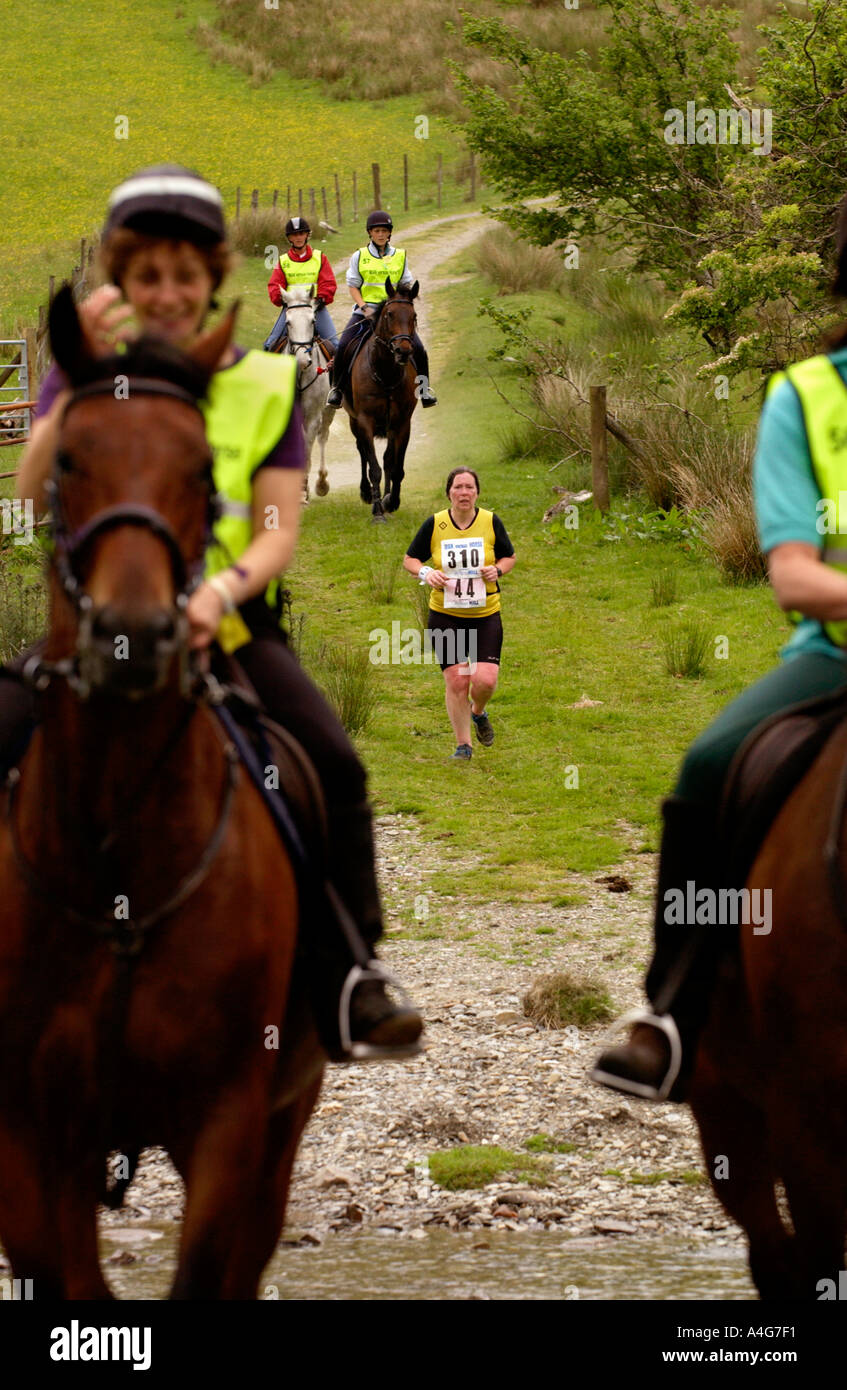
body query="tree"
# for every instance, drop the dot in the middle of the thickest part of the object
(739, 229)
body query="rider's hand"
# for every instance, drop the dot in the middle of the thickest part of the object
(319, 304)
(204, 613)
(105, 320)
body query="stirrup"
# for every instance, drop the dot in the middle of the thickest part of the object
(362, 1051)
(665, 1024)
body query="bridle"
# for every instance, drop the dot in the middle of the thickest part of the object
(308, 347)
(388, 344)
(70, 546)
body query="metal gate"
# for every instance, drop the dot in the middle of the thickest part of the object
(14, 391)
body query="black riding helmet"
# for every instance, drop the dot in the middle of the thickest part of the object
(378, 219)
(297, 224)
(168, 200)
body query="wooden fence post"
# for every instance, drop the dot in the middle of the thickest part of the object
(313, 213)
(599, 450)
(288, 200)
(276, 196)
(439, 175)
(238, 202)
(377, 189)
(338, 200)
(326, 209)
(405, 183)
(254, 200)
(299, 202)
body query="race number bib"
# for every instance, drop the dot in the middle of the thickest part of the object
(461, 561)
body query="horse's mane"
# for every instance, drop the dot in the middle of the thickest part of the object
(147, 357)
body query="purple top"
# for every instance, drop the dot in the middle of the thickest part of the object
(288, 452)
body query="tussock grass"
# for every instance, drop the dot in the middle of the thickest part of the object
(475, 1165)
(685, 646)
(23, 606)
(663, 589)
(257, 229)
(515, 265)
(383, 574)
(556, 1000)
(347, 678)
(546, 1144)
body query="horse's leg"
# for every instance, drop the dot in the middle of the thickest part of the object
(369, 490)
(27, 1227)
(322, 485)
(260, 1229)
(307, 470)
(221, 1175)
(399, 443)
(810, 1154)
(734, 1137)
(78, 1191)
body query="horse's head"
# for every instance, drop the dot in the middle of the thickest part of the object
(131, 499)
(397, 321)
(300, 310)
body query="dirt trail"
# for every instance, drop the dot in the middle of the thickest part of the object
(343, 467)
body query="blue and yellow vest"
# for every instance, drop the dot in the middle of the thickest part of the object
(823, 397)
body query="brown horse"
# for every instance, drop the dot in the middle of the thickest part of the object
(769, 1091)
(383, 388)
(149, 911)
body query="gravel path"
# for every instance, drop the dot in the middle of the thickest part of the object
(489, 1076)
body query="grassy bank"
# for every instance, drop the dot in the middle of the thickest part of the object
(579, 622)
(80, 75)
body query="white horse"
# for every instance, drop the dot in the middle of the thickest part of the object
(312, 378)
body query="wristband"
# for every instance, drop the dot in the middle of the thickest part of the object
(499, 572)
(423, 572)
(221, 587)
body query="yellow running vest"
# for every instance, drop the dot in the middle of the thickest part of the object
(823, 397)
(247, 411)
(375, 270)
(301, 272)
(455, 552)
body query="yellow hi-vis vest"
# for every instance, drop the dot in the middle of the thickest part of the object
(301, 272)
(247, 410)
(443, 529)
(375, 270)
(823, 397)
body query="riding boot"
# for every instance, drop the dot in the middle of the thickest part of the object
(425, 393)
(337, 377)
(356, 1018)
(656, 1062)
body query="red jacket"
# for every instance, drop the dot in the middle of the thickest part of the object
(326, 286)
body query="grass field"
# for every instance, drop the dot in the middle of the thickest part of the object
(79, 73)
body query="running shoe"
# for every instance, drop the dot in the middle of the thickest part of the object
(462, 754)
(484, 728)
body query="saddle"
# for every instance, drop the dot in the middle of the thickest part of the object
(770, 763)
(271, 755)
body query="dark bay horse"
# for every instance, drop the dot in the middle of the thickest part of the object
(383, 385)
(770, 1087)
(149, 911)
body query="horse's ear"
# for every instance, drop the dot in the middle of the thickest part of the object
(67, 339)
(311, 291)
(210, 348)
(413, 292)
(389, 288)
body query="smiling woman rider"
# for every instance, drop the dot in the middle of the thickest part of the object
(165, 253)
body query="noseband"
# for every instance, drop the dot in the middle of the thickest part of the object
(71, 545)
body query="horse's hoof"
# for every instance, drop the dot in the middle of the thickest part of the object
(389, 504)
(322, 487)
(378, 516)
